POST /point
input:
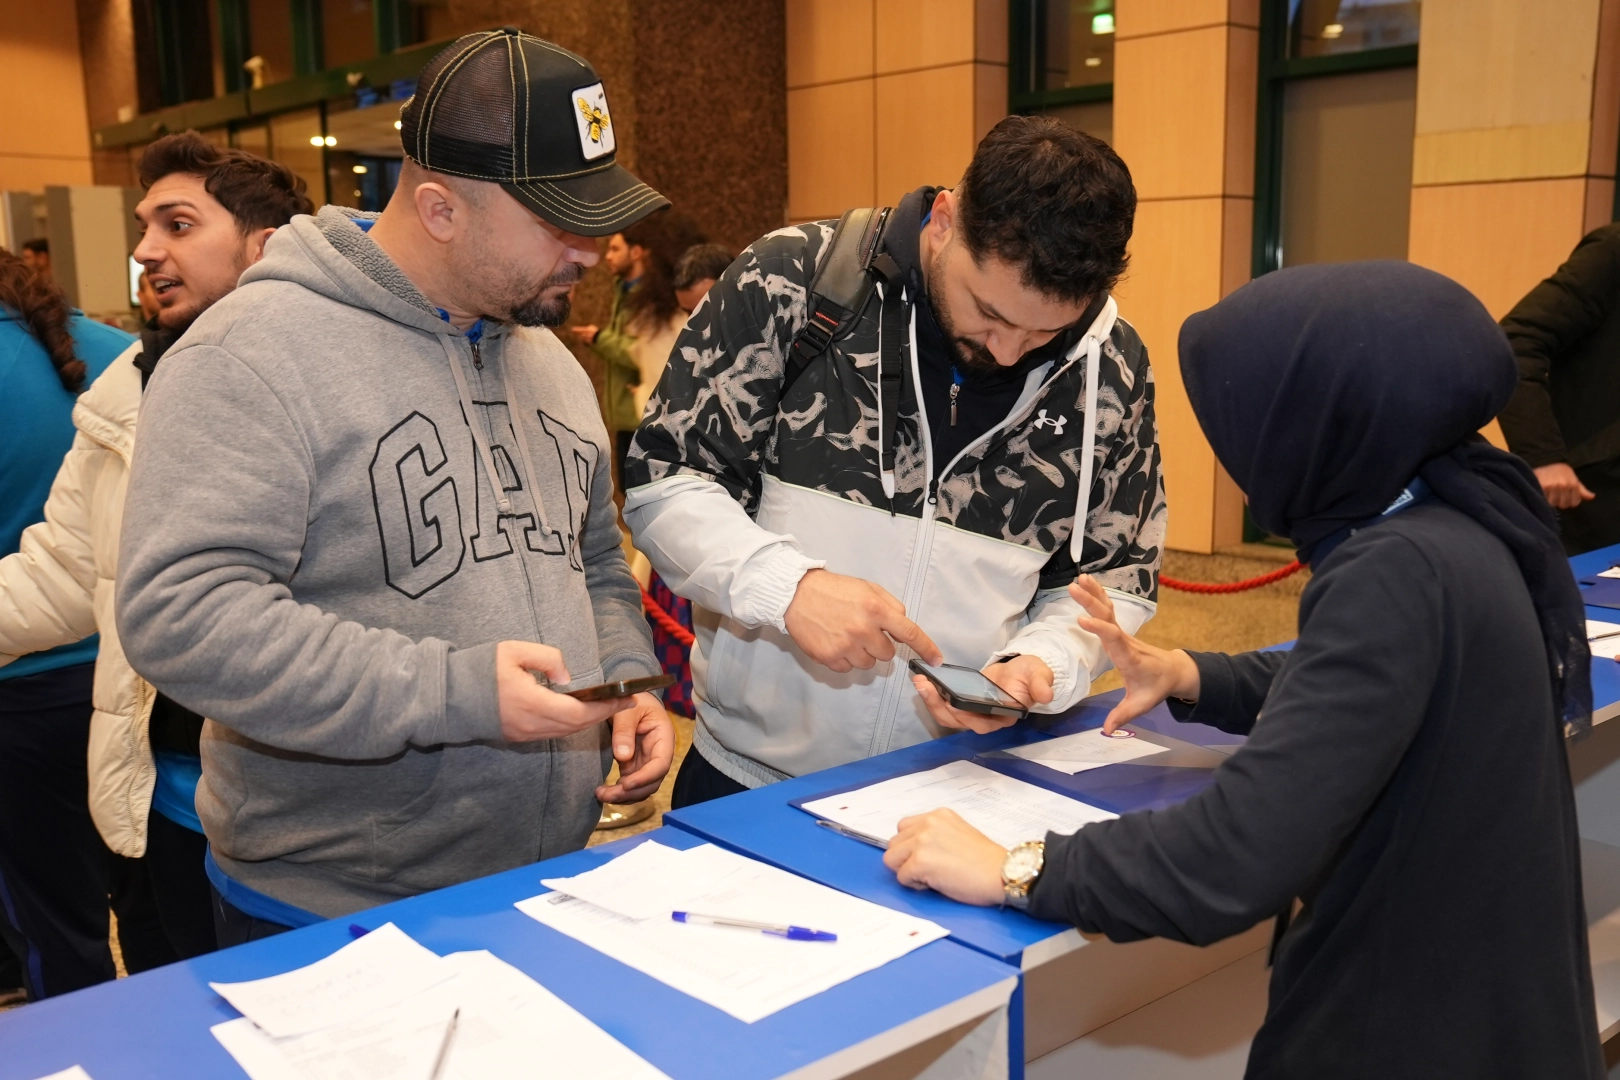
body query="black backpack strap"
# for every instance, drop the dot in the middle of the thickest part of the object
(840, 290)
(893, 358)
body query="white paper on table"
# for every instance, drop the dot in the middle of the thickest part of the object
(745, 973)
(1613, 571)
(72, 1072)
(1599, 628)
(1086, 750)
(382, 968)
(510, 1026)
(646, 881)
(1007, 810)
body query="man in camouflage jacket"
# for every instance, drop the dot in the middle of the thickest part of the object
(818, 574)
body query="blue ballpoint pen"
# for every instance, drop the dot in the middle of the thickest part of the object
(792, 933)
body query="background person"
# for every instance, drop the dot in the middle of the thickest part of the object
(644, 320)
(55, 873)
(1408, 781)
(778, 508)
(696, 271)
(1564, 417)
(36, 255)
(407, 515)
(205, 218)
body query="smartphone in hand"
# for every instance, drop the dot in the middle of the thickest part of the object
(969, 690)
(623, 688)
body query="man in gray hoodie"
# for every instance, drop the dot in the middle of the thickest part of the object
(370, 520)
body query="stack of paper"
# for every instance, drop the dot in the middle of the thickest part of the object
(623, 909)
(1006, 810)
(1087, 750)
(380, 1009)
(1604, 636)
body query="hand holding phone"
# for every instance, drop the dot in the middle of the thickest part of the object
(969, 690)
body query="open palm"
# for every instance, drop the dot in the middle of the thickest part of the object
(1150, 674)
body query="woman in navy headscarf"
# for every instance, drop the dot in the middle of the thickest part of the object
(1408, 782)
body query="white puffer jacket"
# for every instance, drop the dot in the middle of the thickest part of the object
(58, 588)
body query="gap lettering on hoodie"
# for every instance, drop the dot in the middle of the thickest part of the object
(418, 508)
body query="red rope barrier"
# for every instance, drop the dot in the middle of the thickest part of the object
(1236, 586)
(665, 620)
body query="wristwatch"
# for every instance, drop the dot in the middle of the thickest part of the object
(1021, 870)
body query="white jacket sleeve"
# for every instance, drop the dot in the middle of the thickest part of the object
(707, 549)
(1075, 656)
(48, 586)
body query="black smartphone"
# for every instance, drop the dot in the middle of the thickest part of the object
(622, 688)
(969, 690)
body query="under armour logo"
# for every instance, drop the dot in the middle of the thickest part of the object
(1041, 419)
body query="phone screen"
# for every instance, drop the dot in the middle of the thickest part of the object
(968, 683)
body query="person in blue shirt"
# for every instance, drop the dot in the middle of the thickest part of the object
(55, 873)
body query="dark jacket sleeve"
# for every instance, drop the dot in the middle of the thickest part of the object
(1543, 327)
(1231, 689)
(1340, 717)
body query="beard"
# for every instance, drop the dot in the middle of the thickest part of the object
(968, 354)
(541, 310)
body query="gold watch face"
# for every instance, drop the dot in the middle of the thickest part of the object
(1021, 866)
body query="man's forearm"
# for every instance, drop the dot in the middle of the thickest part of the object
(707, 549)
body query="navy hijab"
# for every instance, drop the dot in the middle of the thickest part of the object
(1324, 390)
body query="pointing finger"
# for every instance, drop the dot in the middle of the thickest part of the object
(909, 633)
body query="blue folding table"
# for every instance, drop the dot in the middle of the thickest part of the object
(1073, 983)
(155, 1025)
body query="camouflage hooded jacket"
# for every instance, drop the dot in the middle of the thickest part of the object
(736, 489)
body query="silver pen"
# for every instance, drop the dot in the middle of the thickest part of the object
(845, 830)
(444, 1047)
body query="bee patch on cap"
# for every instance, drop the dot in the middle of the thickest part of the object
(595, 126)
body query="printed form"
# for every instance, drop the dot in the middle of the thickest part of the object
(1005, 809)
(1087, 750)
(623, 909)
(507, 1024)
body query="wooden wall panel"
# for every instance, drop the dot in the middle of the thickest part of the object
(830, 149)
(990, 21)
(989, 98)
(1176, 264)
(1505, 91)
(1170, 101)
(914, 34)
(1498, 240)
(44, 127)
(1165, 16)
(828, 40)
(925, 129)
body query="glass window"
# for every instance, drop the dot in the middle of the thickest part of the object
(1347, 166)
(1092, 117)
(297, 141)
(1078, 44)
(1327, 27)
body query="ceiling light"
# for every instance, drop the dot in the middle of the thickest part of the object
(398, 125)
(360, 170)
(1093, 61)
(1102, 24)
(1332, 30)
(316, 140)
(331, 140)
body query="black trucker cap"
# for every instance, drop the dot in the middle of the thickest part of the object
(506, 107)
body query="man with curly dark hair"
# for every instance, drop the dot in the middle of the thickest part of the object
(921, 473)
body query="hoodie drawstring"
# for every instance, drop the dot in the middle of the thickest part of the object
(1092, 343)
